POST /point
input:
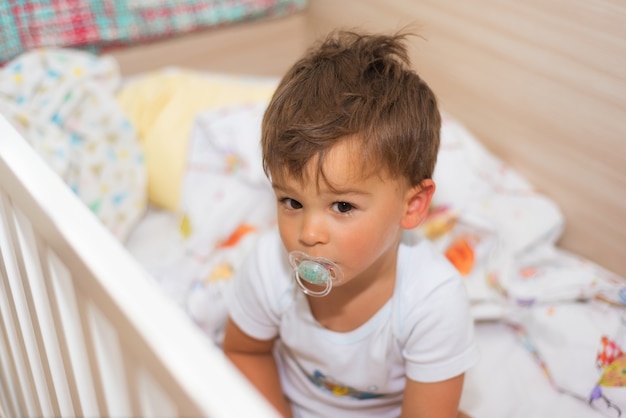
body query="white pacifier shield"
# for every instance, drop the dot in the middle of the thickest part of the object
(314, 270)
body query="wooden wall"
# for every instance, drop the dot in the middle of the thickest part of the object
(542, 83)
(265, 47)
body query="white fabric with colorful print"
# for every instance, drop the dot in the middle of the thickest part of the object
(62, 101)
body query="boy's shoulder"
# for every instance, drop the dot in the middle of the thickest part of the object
(422, 269)
(264, 274)
(424, 275)
(428, 290)
(269, 265)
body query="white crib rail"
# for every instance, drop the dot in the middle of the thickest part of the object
(83, 329)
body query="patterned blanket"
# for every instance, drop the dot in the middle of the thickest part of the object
(93, 24)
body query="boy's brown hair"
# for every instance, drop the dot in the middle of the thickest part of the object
(357, 86)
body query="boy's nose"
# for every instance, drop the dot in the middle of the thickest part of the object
(313, 231)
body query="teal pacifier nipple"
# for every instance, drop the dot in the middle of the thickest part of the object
(314, 270)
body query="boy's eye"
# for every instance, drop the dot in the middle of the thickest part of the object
(342, 207)
(291, 203)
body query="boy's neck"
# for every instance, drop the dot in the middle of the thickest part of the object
(349, 306)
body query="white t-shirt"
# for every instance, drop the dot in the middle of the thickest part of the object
(424, 332)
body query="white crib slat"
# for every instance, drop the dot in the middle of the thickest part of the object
(7, 315)
(39, 312)
(69, 403)
(162, 366)
(131, 377)
(65, 383)
(109, 358)
(3, 401)
(71, 339)
(20, 332)
(5, 395)
(92, 362)
(12, 399)
(154, 400)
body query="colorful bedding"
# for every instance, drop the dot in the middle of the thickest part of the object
(93, 24)
(63, 103)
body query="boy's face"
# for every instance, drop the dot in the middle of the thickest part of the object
(356, 223)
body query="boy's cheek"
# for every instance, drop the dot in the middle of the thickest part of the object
(287, 233)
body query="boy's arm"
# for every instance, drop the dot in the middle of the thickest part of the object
(436, 400)
(255, 360)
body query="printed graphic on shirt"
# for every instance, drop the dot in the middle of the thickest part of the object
(331, 385)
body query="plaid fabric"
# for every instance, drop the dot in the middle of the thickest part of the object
(28, 24)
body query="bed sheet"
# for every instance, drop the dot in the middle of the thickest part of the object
(508, 382)
(549, 323)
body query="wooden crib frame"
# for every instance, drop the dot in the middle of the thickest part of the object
(83, 330)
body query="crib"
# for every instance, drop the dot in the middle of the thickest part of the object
(75, 339)
(90, 327)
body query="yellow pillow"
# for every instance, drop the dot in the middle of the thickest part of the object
(163, 107)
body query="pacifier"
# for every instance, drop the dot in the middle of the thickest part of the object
(314, 270)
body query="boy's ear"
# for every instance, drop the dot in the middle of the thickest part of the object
(417, 203)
